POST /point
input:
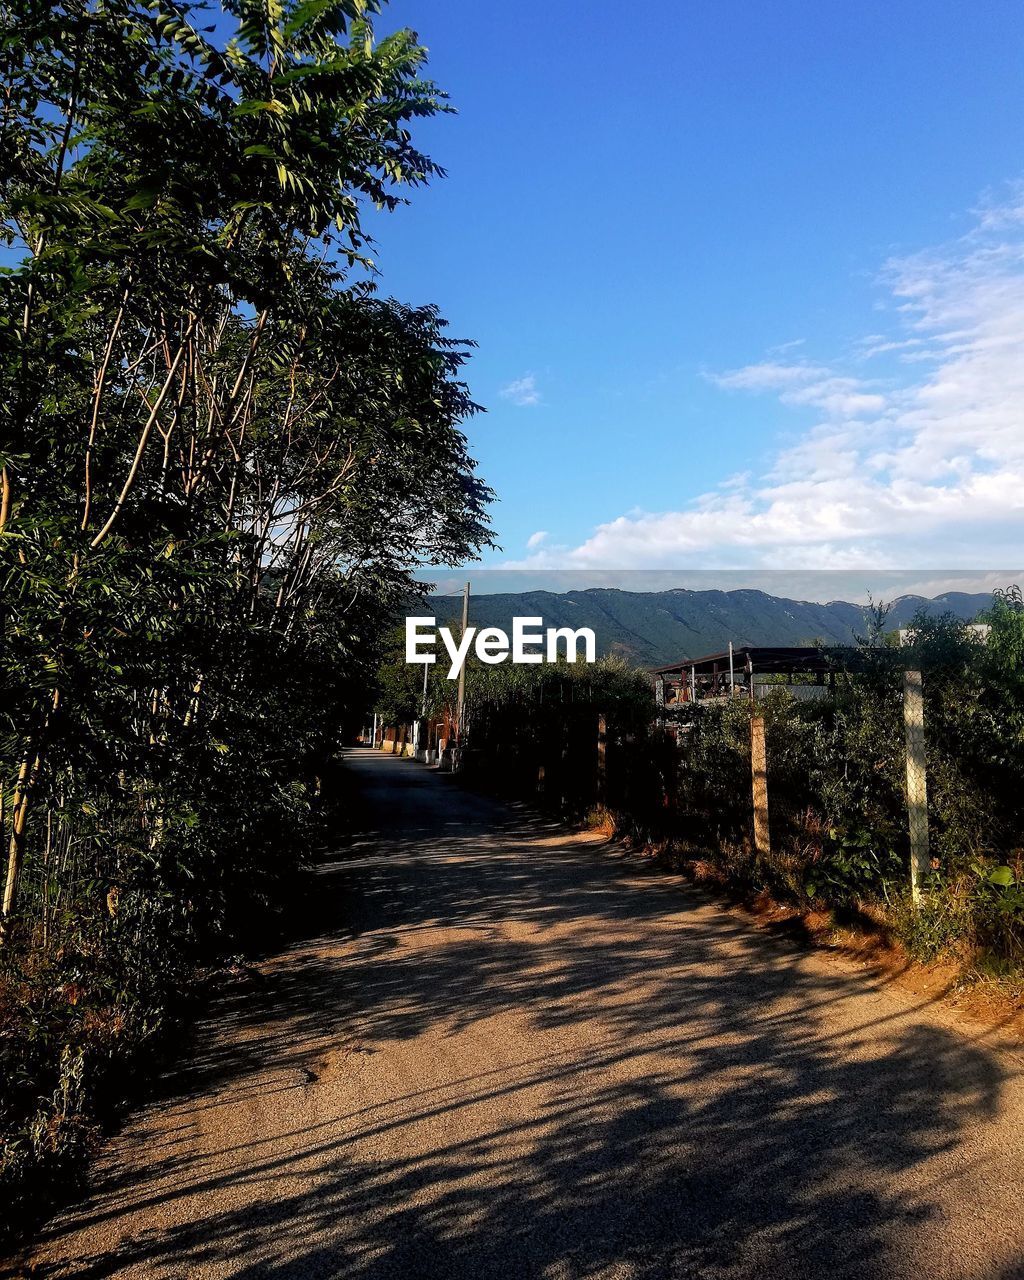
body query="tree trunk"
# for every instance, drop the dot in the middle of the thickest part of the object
(27, 775)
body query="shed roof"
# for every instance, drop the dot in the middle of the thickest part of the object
(762, 659)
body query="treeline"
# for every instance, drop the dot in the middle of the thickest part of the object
(221, 455)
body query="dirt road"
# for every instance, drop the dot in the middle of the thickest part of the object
(511, 1054)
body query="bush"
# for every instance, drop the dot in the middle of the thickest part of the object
(836, 782)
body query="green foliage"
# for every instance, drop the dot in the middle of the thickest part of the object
(836, 783)
(221, 457)
(836, 776)
(852, 865)
(533, 729)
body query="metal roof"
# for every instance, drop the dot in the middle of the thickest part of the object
(763, 659)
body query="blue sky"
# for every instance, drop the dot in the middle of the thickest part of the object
(747, 279)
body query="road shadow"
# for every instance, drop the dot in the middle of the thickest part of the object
(708, 1101)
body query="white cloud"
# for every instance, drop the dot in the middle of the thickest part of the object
(767, 376)
(995, 212)
(535, 539)
(805, 384)
(837, 397)
(522, 391)
(878, 345)
(923, 467)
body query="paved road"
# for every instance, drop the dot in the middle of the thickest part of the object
(512, 1054)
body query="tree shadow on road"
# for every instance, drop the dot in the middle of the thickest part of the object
(695, 1098)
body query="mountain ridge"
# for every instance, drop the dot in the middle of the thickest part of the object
(652, 628)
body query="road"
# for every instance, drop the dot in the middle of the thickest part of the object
(512, 1053)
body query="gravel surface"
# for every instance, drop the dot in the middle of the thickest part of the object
(511, 1053)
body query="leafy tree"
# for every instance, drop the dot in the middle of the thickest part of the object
(222, 455)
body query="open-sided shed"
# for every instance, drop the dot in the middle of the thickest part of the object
(736, 670)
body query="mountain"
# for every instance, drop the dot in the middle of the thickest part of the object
(652, 628)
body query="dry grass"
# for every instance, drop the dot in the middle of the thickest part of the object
(865, 936)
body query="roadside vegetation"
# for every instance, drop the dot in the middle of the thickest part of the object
(836, 777)
(222, 452)
(837, 791)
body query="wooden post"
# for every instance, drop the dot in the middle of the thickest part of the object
(917, 785)
(759, 778)
(602, 759)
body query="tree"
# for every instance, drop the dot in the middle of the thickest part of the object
(222, 453)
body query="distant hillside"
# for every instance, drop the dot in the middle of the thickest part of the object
(655, 627)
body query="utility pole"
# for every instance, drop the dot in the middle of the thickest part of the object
(419, 729)
(462, 673)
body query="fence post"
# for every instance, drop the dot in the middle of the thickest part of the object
(602, 759)
(759, 778)
(917, 784)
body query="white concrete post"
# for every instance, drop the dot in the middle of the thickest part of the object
(917, 782)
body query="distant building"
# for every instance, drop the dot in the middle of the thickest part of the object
(980, 631)
(802, 669)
